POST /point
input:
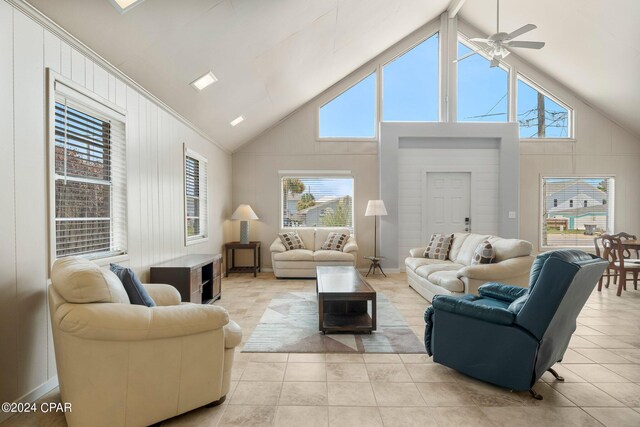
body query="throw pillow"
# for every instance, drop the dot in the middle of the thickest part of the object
(335, 242)
(484, 254)
(137, 293)
(291, 240)
(438, 247)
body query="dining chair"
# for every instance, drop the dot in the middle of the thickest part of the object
(627, 251)
(614, 253)
(598, 242)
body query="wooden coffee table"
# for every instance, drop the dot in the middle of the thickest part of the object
(343, 301)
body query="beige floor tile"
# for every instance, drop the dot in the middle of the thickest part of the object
(579, 342)
(445, 394)
(551, 397)
(618, 417)
(585, 331)
(631, 354)
(307, 357)
(197, 417)
(595, 373)
(572, 356)
(350, 394)
(609, 341)
(388, 372)
(585, 394)
(601, 355)
(351, 372)
(512, 416)
(397, 394)
(256, 371)
(256, 393)
(268, 357)
(305, 372)
(627, 393)
(407, 417)
(426, 373)
(416, 358)
(629, 371)
(341, 416)
(344, 358)
(247, 416)
(461, 417)
(569, 376)
(295, 416)
(303, 393)
(381, 358)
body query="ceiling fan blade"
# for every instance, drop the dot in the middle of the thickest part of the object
(466, 55)
(479, 40)
(494, 63)
(520, 31)
(527, 45)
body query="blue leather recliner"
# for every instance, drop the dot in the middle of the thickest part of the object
(508, 335)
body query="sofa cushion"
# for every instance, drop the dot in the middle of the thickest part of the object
(438, 247)
(448, 280)
(511, 248)
(471, 242)
(81, 281)
(415, 263)
(335, 242)
(137, 293)
(426, 270)
(291, 240)
(456, 244)
(323, 233)
(328, 255)
(294, 255)
(484, 254)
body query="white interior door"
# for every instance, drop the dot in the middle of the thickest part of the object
(446, 208)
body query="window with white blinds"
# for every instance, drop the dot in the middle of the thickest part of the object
(195, 196)
(575, 210)
(318, 201)
(89, 190)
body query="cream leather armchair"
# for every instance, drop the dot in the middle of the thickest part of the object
(131, 365)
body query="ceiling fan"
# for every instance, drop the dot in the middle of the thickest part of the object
(497, 44)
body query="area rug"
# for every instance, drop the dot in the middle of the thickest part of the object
(290, 325)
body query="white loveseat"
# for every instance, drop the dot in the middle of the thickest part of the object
(302, 263)
(456, 275)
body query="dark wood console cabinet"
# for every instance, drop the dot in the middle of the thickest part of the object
(197, 277)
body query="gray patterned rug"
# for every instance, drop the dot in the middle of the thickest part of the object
(290, 325)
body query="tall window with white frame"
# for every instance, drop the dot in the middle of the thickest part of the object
(89, 177)
(195, 196)
(575, 210)
(316, 201)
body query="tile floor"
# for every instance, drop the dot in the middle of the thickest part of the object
(601, 368)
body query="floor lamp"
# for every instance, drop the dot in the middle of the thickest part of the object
(375, 208)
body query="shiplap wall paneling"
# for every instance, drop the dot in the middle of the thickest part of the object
(8, 308)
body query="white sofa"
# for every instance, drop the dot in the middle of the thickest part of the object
(130, 365)
(456, 275)
(302, 263)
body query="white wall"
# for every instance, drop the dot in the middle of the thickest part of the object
(154, 185)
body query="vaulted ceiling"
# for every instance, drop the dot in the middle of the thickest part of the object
(272, 56)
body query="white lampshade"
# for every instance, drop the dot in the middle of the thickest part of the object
(244, 213)
(375, 208)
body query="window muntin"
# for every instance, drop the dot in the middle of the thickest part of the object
(352, 114)
(89, 189)
(483, 92)
(539, 115)
(410, 84)
(584, 208)
(195, 196)
(316, 201)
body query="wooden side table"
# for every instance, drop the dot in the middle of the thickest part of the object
(230, 267)
(375, 263)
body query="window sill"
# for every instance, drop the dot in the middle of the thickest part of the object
(103, 262)
(346, 139)
(561, 140)
(196, 240)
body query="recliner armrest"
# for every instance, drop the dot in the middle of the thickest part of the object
(508, 293)
(277, 246)
(456, 305)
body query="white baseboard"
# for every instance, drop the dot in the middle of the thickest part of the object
(32, 396)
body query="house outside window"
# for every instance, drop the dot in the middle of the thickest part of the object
(316, 201)
(576, 209)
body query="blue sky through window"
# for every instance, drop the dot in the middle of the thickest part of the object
(482, 91)
(410, 84)
(556, 117)
(352, 113)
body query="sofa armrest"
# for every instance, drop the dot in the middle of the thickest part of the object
(512, 267)
(456, 305)
(351, 245)
(128, 322)
(501, 291)
(232, 335)
(417, 252)
(277, 246)
(163, 295)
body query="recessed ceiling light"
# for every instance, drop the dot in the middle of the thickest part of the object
(202, 82)
(237, 121)
(125, 5)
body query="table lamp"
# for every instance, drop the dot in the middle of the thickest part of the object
(375, 208)
(244, 214)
